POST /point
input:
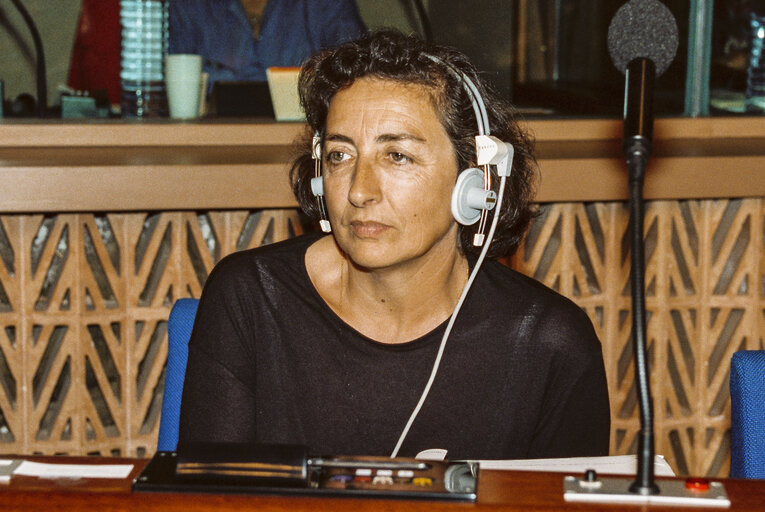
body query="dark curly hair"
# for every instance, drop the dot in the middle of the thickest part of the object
(391, 55)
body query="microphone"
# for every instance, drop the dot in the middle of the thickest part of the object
(642, 42)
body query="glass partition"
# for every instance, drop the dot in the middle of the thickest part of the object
(549, 57)
(737, 76)
(563, 65)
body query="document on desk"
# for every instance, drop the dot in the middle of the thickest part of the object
(7, 466)
(614, 465)
(53, 470)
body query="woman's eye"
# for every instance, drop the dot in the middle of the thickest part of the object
(337, 156)
(399, 158)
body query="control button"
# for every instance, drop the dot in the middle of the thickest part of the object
(590, 480)
(697, 484)
(422, 481)
(363, 479)
(382, 480)
(342, 478)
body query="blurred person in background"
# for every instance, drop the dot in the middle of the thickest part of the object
(240, 39)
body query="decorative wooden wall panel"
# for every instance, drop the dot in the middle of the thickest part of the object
(84, 300)
(83, 317)
(705, 281)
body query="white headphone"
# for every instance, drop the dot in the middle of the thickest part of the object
(472, 197)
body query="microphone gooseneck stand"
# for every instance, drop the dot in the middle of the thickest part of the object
(644, 480)
(638, 134)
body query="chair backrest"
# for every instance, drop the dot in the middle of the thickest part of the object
(747, 399)
(179, 327)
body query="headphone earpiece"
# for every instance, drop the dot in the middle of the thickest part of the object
(470, 197)
(317, 184)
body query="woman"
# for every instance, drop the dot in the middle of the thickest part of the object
(329, 340)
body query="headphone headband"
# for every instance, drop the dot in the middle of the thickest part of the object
(479, 108)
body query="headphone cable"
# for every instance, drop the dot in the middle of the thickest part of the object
(453, 318)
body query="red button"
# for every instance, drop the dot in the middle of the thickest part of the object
(697, 484)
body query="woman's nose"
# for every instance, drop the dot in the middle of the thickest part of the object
(365, 184)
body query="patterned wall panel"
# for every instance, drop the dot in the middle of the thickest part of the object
(705, 291)
(84, 301)
(11, 354)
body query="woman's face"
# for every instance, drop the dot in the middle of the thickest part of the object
(389, 171)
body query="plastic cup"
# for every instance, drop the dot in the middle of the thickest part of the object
(183, 74)
(283, 87)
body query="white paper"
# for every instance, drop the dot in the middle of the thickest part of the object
(431, 454)
(614, 465)
(52, 470)
(6, 469)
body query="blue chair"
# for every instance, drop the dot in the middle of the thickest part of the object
(747, 400)
(178, 333)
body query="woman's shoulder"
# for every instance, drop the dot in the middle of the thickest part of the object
(523, 288)
(546, 311)
(286, 257)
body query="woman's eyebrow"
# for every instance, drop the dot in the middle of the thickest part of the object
(336, 137)
(385, 137)
(395, 137)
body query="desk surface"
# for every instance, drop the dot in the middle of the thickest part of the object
(498, 490)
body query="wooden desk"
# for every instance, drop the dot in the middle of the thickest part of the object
(498, 490)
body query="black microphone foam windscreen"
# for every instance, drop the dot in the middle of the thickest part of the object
(643, 28)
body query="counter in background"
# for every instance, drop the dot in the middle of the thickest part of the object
(57, 166)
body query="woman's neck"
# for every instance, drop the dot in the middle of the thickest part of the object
(392, 305)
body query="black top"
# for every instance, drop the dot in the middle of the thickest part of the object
(522, 375)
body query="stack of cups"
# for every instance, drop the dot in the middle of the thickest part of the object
(755, 79)
(144, 46)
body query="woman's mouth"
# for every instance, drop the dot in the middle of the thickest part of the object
(368, 229)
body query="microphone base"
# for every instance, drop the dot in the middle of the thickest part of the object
(691, 492)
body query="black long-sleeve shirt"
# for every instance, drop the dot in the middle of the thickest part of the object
(522, 375)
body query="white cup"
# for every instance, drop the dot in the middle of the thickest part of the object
(283, 86)
(183, 74)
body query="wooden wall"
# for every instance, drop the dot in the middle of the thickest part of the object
(705, 282)
(84, 300)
